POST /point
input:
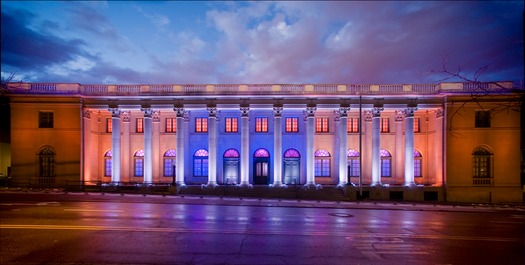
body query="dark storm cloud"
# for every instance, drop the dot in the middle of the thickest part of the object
(27, 49)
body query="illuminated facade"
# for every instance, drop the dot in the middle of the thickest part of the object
(411, 136)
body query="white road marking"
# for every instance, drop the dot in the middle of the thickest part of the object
(93, 210)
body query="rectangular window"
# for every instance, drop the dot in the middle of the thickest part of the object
(139, 167)
(140, 125)
(169, 166)
(292, 124)
(109, 125)
(385, 125)
(231, 125)
(200, 167)
(261, 124)
(201, 125)
(385, 167)
(45, 119)
(353, 168)
(417, 168)
(482, 119)
(322, 167)
(353, 125)
(171, 125)
(417, 125)
(321, 125)
(107, 167)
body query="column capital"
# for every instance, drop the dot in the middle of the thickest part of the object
(440, 113)
(115, 112)
(343, 111)
(409, 111)
(126, 116)
(212, 111)
(310, 111)
(277, 111)
(376, 111)
(245, 111)
(148, 112)
(179, 111)
(86, 113)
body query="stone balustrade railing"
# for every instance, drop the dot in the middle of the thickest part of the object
(341, 89)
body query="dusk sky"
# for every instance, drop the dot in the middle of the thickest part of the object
(105, 42)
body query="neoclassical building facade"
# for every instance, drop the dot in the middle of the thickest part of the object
(426, 135)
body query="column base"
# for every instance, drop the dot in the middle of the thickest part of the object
(245, 184)
(180, 183)
(342, 184)
(278, 184)
(376, 184)
(312, 185)
(409, 184)
(211, 184)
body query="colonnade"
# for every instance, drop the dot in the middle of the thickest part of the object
(277, 142)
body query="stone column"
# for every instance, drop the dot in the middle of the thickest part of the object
(148, 143)
(310, 134)
(376, 146)
(277, 146)
(212, 146)
(245, 146)
(179, 178)
(115, 144)
(343, 145)
(409, 145)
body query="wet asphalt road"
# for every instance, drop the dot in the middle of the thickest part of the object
(54, 231)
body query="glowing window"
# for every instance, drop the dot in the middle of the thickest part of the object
(292, 153)
(261, 124)
(385, 125)
(386, 165)
(170, 162)
(353, 125)
(417, 125)
(200, 163)
(201, 125)
(171, 125)
(109, 125)
(417, 164)
(481, 163)
(292, 124)
(261, 153)
(231, 153)
(231, 125)
(322, 163)
(321, 125)
(108, 163)
(138, 163)
(140, 125)
(353, 163)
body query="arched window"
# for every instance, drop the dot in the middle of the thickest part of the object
(200, 163)
(138, 160)
(108, 163)
(322, 163)
(169, 162)
(231, 153)
(353, 162)
(418, 169)
(261, 152)
(292, 153)
(481, 163)
(386, 163)
(46, 160)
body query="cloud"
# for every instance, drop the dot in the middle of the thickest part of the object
(158, 20)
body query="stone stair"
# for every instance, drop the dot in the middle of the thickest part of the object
(298, 192)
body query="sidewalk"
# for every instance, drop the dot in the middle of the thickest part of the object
(58, 195)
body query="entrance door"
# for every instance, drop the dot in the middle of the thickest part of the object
(262, 169)
(231, 171)
(291, 171)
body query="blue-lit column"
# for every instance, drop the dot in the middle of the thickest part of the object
(115, 144)
(212, 145)
(343, 145)
(376, 146)
(245, 146)
(179, 178)
(148, 143)
(409, 146)
(310, 134)
(277, 146)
